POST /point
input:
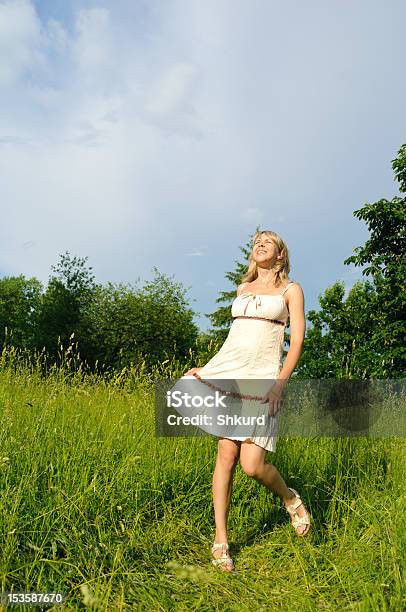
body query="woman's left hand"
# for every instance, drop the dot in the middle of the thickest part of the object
(274, 398)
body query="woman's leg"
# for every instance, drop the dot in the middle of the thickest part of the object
(252, 459)
(227, 458)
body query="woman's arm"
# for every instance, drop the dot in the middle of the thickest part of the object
(297, 332)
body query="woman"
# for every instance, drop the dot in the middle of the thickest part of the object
(265, 301)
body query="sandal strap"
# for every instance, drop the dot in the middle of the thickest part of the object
(294, 505)
(300, 520)
(223, 560)
(291, 508)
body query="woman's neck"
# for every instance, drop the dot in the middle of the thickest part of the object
(267, 278)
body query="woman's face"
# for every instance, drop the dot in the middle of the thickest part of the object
(264, 251)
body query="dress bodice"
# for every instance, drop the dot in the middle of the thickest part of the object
(253, 348)
(260, 305)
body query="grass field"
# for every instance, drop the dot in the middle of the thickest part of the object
(93, 505)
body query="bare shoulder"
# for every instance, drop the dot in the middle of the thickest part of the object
(294, 286)
(294, 293)
(240, 287)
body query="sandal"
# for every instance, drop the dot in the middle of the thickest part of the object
(296, 519)
(224, 561)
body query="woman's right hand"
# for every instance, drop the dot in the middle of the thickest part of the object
(192, 371)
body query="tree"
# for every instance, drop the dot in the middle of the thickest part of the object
(19, 306)
(75, 276)
(337, 345)
(152, 323)
(363, 336)
(385, 256)
(68, 295)
(399, 168)
(221, 318)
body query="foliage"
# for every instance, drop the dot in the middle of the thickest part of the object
(129, 324)
(63, 305)
(221, 318)
(385, 256)
(19, 304)
(337, 343)
(74, 275)
(363, 335)
(110, 326)
(399, 168)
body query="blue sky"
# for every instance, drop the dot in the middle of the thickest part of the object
(146, 133)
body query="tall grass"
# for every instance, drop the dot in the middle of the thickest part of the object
(92, 504)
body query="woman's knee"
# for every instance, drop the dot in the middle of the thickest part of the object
(228, 453)
(253, 469)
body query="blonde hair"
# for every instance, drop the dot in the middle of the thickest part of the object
(281, 266)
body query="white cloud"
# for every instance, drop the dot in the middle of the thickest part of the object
(93, 50)
(170, 102)
(20, 40)
(173, 91)
(193, 121)
(58, 39)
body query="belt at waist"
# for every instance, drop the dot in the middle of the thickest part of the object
(229, 393)
(261, 319)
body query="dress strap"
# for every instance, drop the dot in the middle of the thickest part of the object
(287, 287)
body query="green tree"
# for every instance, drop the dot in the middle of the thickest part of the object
(19, 306)
(362, 336)
(384, 253)
(151, 323)
(337, 345)
(68, 295)
(221, 318)
(75, 275)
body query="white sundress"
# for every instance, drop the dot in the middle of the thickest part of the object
(253, 350)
